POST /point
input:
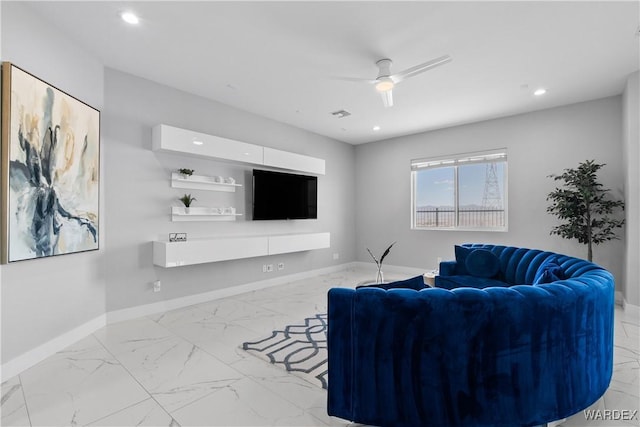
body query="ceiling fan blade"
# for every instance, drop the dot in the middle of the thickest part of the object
(353, 79)
(387, 98)
(420, 68)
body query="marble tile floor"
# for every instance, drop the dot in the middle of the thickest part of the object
(185, 368)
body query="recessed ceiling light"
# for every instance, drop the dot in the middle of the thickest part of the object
(130, 18)
(540, 91)
(376, 128)
(197, 142)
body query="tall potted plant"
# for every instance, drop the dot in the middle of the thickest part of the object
(584, 207)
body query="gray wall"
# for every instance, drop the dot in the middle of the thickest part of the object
(42, 299)
(138, 194)
(631, 153)
(539, 143)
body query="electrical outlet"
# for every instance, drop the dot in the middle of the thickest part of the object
(264, 268)
(157, 286)
(336, 256)
(281, 266)
(269, 268)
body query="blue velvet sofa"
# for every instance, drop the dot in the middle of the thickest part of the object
(504, 353)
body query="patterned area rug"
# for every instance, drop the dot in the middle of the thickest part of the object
(300, 349)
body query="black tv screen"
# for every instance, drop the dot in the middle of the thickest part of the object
(278, 195)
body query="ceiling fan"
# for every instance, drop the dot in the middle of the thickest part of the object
(385, 82)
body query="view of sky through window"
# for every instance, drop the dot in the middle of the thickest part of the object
(435, 187)
(480, 192)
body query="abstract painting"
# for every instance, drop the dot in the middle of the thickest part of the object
(50, 170)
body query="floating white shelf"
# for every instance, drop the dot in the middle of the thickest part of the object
(206, 250)
(176, 140)
(201, 182)
(201, 214)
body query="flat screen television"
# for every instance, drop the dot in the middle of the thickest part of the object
(278, 195)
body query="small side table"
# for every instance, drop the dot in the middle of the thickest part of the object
(430, 278)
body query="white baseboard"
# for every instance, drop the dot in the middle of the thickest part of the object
(619, 298)
(32, 357)
(38, 354)
(632, 311)
(173, 304)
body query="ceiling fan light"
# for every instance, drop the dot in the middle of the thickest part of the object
(130, 18)
(384, 84)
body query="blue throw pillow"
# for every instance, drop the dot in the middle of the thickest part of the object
(548, 272)
(416, 283)
(461, 259)
(482, 263)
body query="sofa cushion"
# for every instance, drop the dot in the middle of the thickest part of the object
(465, 281)
(416, 283)
(461, 259)
(482, 263)
(548, 272)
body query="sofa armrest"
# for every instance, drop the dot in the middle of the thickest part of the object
(447, 268)
(340, 352)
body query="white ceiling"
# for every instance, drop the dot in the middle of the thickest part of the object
(283, 60)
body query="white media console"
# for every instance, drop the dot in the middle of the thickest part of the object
(199, 251)
(205, 250)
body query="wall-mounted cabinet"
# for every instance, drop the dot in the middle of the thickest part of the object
(286, 243)
(292, 161)
(199, 251)
(183, 141)
(200, 182)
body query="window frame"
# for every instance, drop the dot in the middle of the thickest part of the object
(455, 161)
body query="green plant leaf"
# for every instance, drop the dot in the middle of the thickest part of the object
(187, 199)
(386, 252)
(373, 256)
(584, 206)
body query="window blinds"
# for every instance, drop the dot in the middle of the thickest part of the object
(499, 155)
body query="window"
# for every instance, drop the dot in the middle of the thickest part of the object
(467, 191)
